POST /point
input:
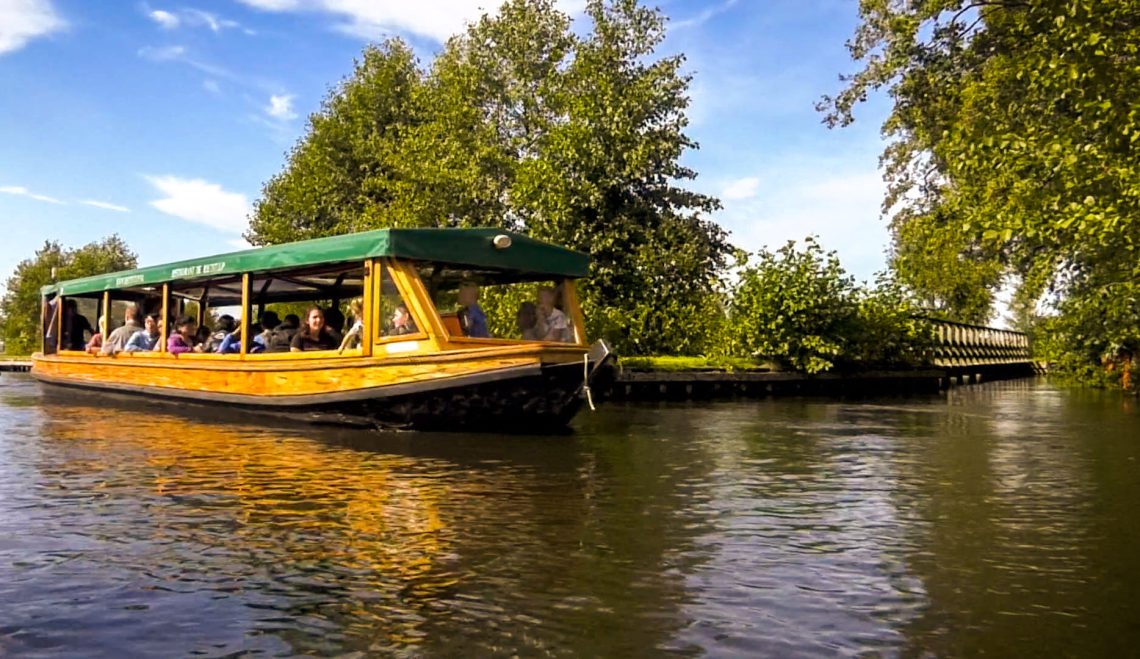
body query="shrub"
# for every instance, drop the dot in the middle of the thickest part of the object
(798, 307)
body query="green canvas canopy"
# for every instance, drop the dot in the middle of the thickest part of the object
(461, 247)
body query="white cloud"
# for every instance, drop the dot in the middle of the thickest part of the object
(705, 16)
(181, 55)
(741, 188)
(189, 17)
(24, 20)
(199, 18)
(164, 19)
(163, 53)
(21, 191)
(105, 205)
(201, 201)
(273, 5)
(369, 19)
(281, 107)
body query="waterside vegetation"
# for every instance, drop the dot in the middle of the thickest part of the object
(1011, 158)
(20, 303)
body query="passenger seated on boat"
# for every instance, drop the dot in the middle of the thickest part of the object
(282, 337)
(146, 339)
(75, 325)
(201, 338)
(472, 320)
(314, 335)
(268, 322)
(528, 322)
(402, 322)
(232, 343)
(117, 340)
(183, 339)
(554, 323)
(353, 336)
(334, 322)
(96, 343)
(226, 326)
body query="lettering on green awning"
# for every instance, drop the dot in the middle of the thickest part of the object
(198, 270)
(130, 280)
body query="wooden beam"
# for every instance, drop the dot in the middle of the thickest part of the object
(165, 318)
(371, 272)
(263, 291)
(570, 301)
(59, 323)
(420, 305)
(106, 314)
(245, 311)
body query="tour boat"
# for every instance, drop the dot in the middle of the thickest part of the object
(429, 373)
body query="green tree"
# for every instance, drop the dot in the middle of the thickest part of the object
(952, 278)
(20, 305)
(1013, 137)
(343, 175)
(525, 124)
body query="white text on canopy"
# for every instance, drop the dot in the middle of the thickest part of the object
(197, 270)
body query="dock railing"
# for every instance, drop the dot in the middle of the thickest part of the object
(958, 345)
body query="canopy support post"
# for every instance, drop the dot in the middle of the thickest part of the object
(162, 330)
(106, 324)
(247, 322)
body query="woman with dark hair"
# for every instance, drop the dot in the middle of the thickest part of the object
(201, 337)
(313, 335)
(182, 340)
(529, 326)
(226, 326)
(402, 322)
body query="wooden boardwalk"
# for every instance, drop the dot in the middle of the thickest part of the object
(962, 354)
(15, 365)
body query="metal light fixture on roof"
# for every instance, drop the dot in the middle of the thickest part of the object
(501, 241)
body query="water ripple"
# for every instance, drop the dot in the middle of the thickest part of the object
(932, 527)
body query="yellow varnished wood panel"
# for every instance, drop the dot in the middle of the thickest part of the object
(266, 382)
(570, 302)
(419, 302)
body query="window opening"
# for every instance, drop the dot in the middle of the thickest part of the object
(395, 317)
(498, 304)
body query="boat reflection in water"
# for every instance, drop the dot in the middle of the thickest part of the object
(230, 509)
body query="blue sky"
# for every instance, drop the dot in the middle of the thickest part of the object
(160, 120)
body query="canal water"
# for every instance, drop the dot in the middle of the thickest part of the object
(999, 519)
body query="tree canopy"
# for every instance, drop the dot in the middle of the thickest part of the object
(1013, 150)
(20, 305)
(525, 123)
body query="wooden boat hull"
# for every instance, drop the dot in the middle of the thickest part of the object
(491, 389)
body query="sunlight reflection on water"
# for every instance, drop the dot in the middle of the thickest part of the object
(993, 520)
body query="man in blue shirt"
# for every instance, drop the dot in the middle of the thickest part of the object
(471, 316)
(146, 339)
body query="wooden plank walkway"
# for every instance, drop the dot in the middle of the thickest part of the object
(692, 385)
(15, 365)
